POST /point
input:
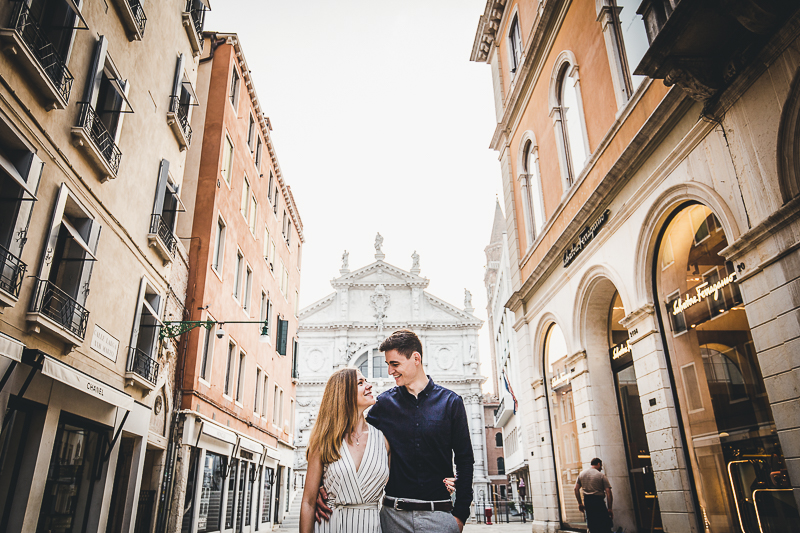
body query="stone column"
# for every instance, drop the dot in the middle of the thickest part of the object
(661, 421)
(543, 490)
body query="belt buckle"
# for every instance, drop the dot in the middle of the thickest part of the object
(397, 501)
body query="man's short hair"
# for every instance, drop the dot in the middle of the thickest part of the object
(404, 341)
(596, 461)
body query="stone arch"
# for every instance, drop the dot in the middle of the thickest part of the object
(566, 56)
(587, 291)
(528, 135)
(542, 327)
(789, 144)
(662, 208)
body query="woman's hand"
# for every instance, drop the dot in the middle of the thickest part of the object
(450, 484)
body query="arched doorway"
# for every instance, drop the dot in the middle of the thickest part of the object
(739, 473)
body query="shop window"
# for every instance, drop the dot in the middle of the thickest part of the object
(514, 45)
(240, 494)
(219, 246)
(251, 494)
(20, 170)
(740, 475)
(210, 508)
(269, 473)
(563, 424)
(62, 285)
(69, 488)
(142, 357)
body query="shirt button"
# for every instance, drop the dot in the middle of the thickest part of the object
(417, 424)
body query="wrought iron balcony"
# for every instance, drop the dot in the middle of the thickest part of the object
(12, 270)
(91, 127)
(160, 228)
(178, 119)
(142, 364)
(197, 11)
(60, 307)
(138, 15)
(25, 28)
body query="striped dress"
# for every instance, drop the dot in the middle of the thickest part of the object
(354, 495)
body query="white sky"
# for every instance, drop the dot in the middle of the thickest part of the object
(381, 124)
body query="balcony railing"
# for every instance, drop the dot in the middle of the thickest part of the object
(138, 15)
(182, 114)
(160, 228)
(12, 270)
(90, 121)
(57, 305)
(40, 46)
(142, 364)
(198, 13)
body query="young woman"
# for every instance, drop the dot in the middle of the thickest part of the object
(348, 457)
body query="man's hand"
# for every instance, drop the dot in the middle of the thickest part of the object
(460, 523)
(581, 507)
(323, 512)
(450, 484)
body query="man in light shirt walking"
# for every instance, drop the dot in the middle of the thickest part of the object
(596, 489)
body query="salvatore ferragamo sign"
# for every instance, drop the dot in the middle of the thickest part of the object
(586, 236)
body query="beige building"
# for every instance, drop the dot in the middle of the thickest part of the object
(650, 176)
(94, 99)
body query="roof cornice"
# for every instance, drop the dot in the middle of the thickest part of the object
(488, 26)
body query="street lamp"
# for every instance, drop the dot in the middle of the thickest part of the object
(175, 328)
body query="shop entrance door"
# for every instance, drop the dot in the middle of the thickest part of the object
(640, 469)
(278, 476)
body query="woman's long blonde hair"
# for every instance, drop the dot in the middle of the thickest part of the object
(338, 414)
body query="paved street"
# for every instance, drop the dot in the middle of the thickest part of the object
(469, 528)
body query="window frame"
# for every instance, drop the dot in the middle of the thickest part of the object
(218, 257)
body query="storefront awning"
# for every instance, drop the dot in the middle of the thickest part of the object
(11, 348)
(76, 379)
(251, 445)
(219, 433)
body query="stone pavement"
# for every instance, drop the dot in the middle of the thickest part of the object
(469, 528)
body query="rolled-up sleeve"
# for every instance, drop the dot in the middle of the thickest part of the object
(464, 460)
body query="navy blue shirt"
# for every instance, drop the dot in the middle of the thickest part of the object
(424, 434)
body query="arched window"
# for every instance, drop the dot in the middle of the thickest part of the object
(566, 111)
(498, 439)
(514, 45)
(362, 365)
(572, 129)
(501, 466)
(378, 369)
(531, 189)
(626, 44)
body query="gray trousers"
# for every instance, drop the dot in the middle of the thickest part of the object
(393, 521)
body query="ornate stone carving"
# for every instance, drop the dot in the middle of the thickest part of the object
(445, 358)
(415, 263)
(345, 261)
(379, 255)
(380, 302)
(315, 360)
(696, 85)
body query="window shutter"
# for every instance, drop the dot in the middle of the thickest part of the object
(161, 187)
(137, 316)
(52, 234)
(283, 334)
(86, 271)
(20, 234)
(176, 82)
(96, 71)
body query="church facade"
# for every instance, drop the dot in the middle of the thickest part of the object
(346, 327)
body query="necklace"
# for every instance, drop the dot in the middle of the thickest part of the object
(358, 438)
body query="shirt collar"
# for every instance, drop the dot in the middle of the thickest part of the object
(424, 392)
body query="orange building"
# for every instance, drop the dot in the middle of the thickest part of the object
(648, 155)
(238, 376)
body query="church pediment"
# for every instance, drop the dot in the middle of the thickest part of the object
(379, 273)
(441, 311)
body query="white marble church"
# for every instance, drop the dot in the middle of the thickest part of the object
(346, 327)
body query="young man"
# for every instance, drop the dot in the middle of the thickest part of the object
(596, 489)
(425, 424)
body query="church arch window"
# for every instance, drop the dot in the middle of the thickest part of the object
(530, 183)
(372, 365)
(498, 439)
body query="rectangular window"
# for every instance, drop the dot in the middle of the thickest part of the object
(266, 244)
(271, 255)
(295, 354)
(289, 234)
(296, 303)
(181, 101)
(248, 288)
(275, 203)
(276, 414)
(271, 184)
(245, 205)
(210, 508)
(265, 396)
(280, 411)
(229, 369)
(235, 88)
(262, 310)
(515, 45)
(208, 351)
(144, 338)
(227, 159)
(166, 206)
(259, 150)
(253, 214)
(291, 416)
(237, 280)
(251, 132)
(257, 388)
(284, 280)
(240, 377)
(219, 246)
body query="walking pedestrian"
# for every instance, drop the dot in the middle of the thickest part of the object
(596, 490)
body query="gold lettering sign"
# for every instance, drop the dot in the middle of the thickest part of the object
(702, 292)
(620, 349)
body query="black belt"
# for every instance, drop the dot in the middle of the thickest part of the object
(399, 504)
